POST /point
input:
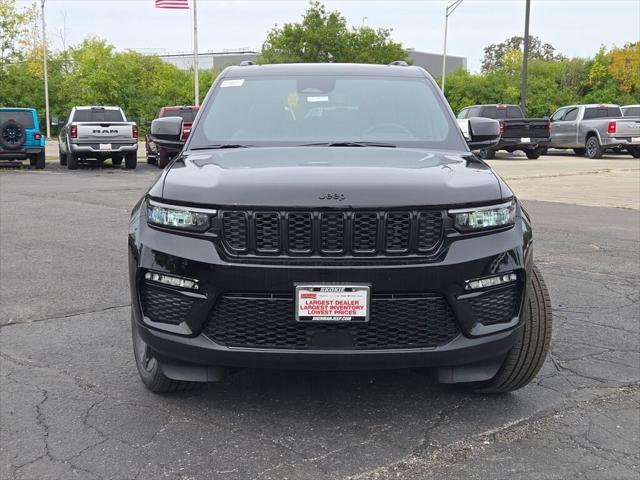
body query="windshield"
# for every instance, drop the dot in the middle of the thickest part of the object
(24, 118)
(98, 115)
(298, 110)
(187, 114)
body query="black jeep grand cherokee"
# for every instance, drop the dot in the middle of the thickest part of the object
(327, 216)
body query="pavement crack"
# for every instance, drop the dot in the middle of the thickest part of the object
(69, 315)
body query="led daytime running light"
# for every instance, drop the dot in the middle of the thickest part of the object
(172, 281)
(490, 281)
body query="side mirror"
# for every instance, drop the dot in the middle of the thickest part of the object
(54, 121)
(481, 132)
(167, 131)
(143, 121)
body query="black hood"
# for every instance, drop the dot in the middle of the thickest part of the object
(358, 177)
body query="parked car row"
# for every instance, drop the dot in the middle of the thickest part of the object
(590, 129)
(95, 133)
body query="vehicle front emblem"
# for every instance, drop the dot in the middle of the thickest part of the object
(333, 196)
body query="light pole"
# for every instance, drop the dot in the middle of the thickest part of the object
(448, 11)
(364, 20)
(196, 80)
(46, 70)
(525, 59)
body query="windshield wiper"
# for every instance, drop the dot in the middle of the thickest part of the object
(219, 146)
(349, 144)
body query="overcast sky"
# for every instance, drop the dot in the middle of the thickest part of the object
(575, 28)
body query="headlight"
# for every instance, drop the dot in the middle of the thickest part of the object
(480, 218)
(178, 217)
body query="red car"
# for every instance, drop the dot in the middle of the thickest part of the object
(162, 155)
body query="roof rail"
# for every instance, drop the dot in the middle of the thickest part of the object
(246, 63)
(399, 63)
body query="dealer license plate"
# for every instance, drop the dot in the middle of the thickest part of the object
(105, 146)
(332, 303)
(635, 139)
(525, 140)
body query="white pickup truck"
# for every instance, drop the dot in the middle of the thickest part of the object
(594, 129)
(98, 133)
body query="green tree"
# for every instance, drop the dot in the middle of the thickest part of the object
(495, 54)
(14, 25)
(325, 37)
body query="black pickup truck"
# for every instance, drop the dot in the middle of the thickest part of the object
(531, 135)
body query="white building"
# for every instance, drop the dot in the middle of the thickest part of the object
(431, 62)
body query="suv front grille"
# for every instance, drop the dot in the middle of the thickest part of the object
(264, 321)
(331, 233)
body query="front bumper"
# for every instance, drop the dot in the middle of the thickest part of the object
(94, 148)
(517, 144)
(191, 341)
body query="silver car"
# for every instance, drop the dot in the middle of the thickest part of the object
(594, 129)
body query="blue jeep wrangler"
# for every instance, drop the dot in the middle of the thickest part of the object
(20, 136)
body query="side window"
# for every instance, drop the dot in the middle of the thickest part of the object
(463, 113)
(514, 112)
(558, 115)
(474, 112)
(595, 113)
(572, 114)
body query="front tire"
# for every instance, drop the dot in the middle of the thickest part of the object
(635, 152)
(580, 151)
(62, 158)
(131, 160)
(151, 159)
(149, 369)
(487, 153)
(525, 359)
(594, 149)
(116, 160)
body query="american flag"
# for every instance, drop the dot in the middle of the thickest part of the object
(173, 4)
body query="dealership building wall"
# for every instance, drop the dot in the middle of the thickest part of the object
(431, 62)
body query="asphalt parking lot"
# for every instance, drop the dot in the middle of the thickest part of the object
(72, 406)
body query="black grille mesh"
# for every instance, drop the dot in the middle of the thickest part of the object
(365, 232)
(268, 322)
(332, 233)
(496, 307)
(398, 229)
(164, 306)
(235, 230)
(429, 230)
(300, 240)
(267, 232)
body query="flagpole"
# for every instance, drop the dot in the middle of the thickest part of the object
(46, 71)
(195, 55)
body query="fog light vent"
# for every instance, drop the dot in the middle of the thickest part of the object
(490, 281)
(172, 281)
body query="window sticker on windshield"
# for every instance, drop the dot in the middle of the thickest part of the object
(236, 82)
(292, 100)
(317, 99)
